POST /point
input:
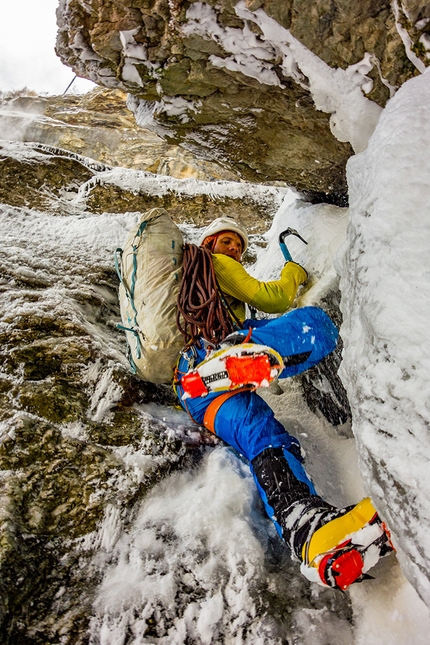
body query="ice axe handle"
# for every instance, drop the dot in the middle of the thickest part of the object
(284, 249)
(285, 252)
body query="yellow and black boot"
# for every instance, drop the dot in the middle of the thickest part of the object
(336, 547)
(343, 545)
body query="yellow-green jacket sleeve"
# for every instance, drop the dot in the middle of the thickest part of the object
(271, 297)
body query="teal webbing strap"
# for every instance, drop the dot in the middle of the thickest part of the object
(133, 275)
(140, 231)
(134, 327)
(118, 266)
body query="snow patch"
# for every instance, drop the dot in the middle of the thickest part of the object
(323, 226)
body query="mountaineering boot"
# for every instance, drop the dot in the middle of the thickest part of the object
(245, 364)
(338, 546)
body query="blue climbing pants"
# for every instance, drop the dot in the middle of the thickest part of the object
(245, 421)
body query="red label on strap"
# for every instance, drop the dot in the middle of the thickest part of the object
(193, 385)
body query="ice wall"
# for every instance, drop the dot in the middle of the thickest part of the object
(386, 305)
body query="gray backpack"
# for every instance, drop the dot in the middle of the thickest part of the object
(150, 268)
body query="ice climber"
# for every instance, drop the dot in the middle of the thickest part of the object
(336, 547)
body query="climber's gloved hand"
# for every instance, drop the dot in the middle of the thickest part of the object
(293, 268)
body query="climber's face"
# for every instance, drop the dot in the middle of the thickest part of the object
(229, 243)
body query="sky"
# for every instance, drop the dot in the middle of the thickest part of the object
(28, 31)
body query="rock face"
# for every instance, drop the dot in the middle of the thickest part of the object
(80, 451)
(100, 126)
(252, 83)
(74, 183)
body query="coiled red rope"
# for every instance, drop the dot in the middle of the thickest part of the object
(200, 307)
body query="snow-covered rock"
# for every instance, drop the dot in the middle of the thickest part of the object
(99, 125)
(85, 544)
(279, 90)
(386, 306)
(123, 523)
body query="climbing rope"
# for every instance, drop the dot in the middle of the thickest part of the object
(201, 307)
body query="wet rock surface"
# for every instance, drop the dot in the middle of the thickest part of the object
(99, 125)
(63, 182)
(323, 390)
(67, 404)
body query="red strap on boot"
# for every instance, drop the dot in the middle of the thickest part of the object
(345, 568)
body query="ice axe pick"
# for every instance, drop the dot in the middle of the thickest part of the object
(284, 249)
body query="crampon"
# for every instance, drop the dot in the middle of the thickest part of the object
(339, 563)
(239, 366)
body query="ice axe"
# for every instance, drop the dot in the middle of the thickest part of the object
(284, 249)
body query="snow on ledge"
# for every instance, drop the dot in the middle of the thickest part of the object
(406, 39)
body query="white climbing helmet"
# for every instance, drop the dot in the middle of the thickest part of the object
(225, 224)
